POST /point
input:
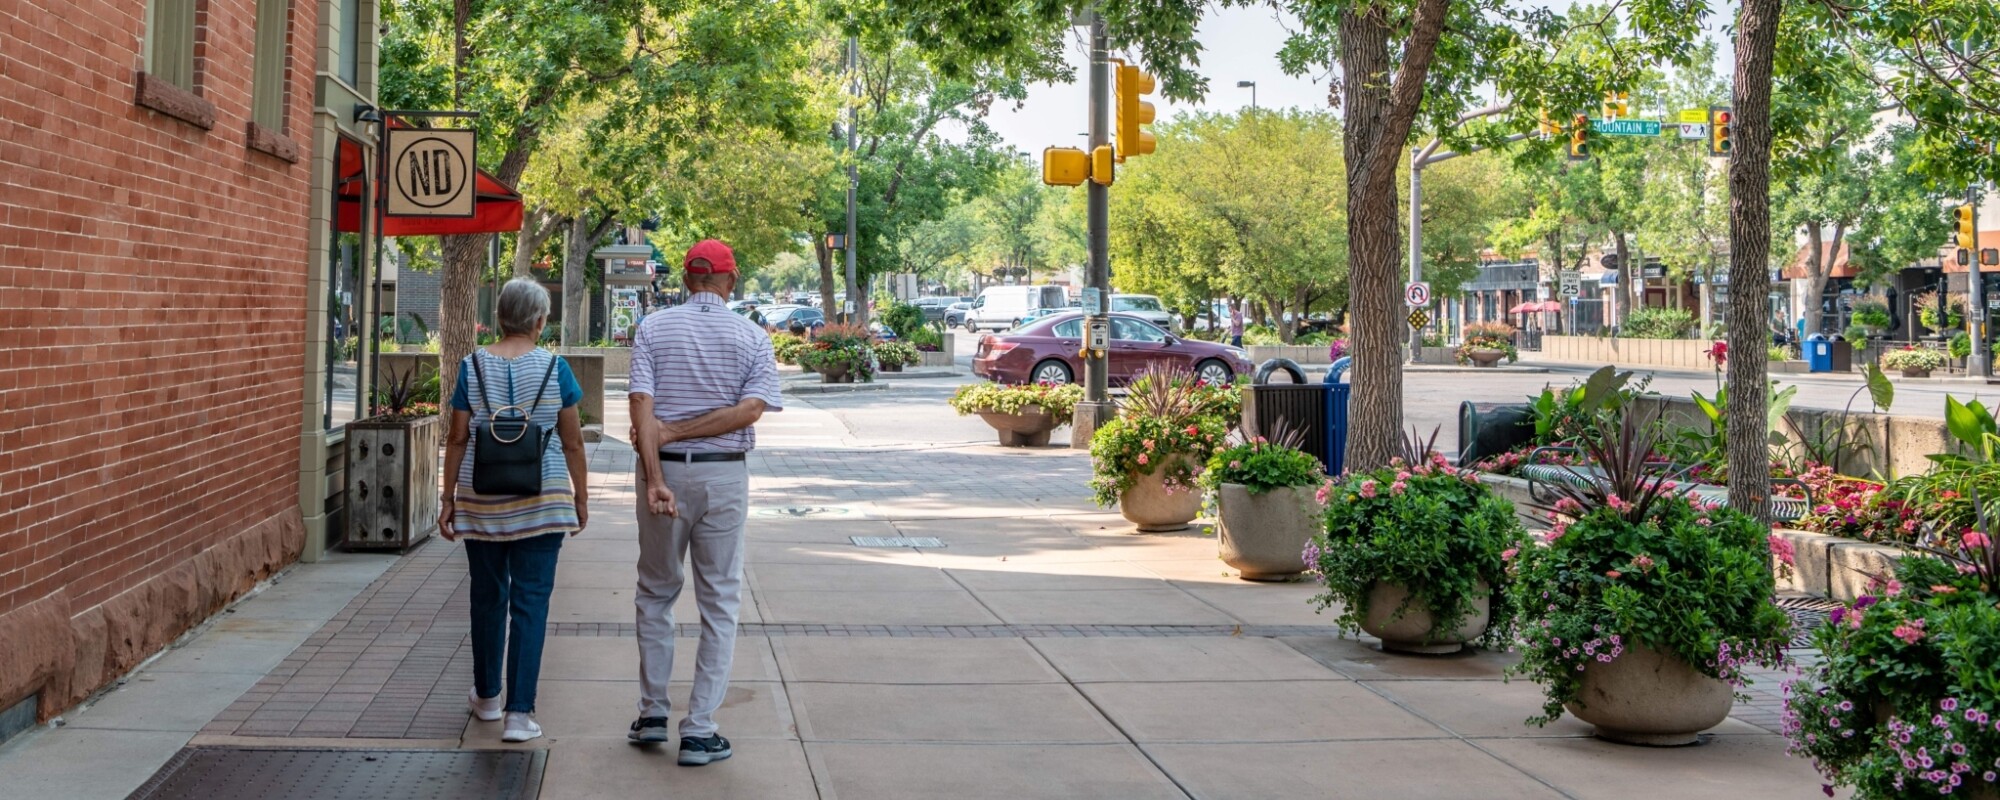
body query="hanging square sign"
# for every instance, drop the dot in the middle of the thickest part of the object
(431, 172)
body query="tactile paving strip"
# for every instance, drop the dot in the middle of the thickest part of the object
(228, 773)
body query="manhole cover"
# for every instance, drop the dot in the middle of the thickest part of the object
(803, 512)
(1807, 613)
(224, 773)
(896, 541)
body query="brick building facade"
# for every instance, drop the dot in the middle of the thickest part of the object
(153, 323)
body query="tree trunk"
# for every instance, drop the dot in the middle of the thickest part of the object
(539, 225)
(1627, 272)
(825, 279)
(1749, 251)
(1816, 270)
(576, 287)
(458, 302)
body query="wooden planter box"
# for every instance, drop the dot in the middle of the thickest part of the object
(392, 482)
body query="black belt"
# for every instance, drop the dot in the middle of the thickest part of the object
(699, 458)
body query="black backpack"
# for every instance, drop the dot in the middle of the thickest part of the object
(508, 458)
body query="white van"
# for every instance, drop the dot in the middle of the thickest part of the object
(1001, 307)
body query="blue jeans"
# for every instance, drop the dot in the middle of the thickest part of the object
(511, 582)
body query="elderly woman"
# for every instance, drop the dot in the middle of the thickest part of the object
(511, 540)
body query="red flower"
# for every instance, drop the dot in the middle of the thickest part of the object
(1718, 353)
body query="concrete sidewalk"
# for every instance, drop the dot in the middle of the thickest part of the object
(1045, 651)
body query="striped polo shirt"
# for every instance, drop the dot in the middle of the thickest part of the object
(698, 357)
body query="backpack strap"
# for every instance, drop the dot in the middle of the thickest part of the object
(545, 384)
(477, 370)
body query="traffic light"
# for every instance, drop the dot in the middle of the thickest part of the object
(1719, 120)
(1617, 105)
(1579, 146)
(1101, 170)
(1133, 112)
(1065, 166)
(1968, 233)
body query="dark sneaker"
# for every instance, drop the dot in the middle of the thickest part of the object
(649, 730)
(696, 752)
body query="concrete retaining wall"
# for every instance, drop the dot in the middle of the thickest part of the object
(1670, 353)
(617, 360)
(1884, 445)
(1312, 354)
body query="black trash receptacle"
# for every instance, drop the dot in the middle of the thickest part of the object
(1286, 411)
(1486, 430)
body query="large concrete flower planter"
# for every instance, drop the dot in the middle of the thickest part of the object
(1411, 632)
(1647, 697)
(1486, 358)
(1150, 506)
(1262, 535)
(835, 374)
(1029, 428)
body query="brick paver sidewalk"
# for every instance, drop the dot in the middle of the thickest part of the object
(1045, 651)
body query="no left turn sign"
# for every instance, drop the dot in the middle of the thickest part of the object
(1417, 294)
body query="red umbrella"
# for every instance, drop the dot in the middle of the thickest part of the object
(1525, 308)
(1552, 305)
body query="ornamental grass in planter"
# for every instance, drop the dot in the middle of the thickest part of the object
(1146, 458)
(1915, 362)
(1485, 343)
(894, 356)
(1023, 415)
(1906, 702)
(1642, 607)
(840, 354)
(1266, 506)
(1413, 553)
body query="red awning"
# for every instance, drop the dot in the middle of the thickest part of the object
(498, 207)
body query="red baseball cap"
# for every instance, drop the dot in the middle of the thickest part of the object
(717, 254)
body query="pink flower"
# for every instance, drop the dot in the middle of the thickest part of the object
(1974, 540)
(1613, 574)
(1193, 430)
(1368, 489)
(1509, 553)
(1556, 532)
(1718, 353)
(1260, 439)
(1782, 548)
(1235, 465)
(1944, 589)
(1398, 487)
(1643, 563)
(1143, 460)
(1569, 505)
(1149, 446)
(1895, 588)
(1402, 476)
(1325, 490)
(1910, 631)
(1617, 504)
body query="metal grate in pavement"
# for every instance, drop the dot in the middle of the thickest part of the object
(1807, 613)
(896, 541)
(228, 773)
(802, 512)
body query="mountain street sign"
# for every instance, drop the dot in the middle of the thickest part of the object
(1626, 127)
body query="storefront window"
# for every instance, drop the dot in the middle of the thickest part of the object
(345, 262)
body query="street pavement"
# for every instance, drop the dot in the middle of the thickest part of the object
(1046, 650)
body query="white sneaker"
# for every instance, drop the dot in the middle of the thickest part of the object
(484, 710)
(520, 728)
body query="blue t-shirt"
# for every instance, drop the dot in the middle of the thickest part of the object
(567, 387)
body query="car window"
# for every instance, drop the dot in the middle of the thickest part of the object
(1132, 330)
(1069, 329)
(1135, 304)
(980, 303)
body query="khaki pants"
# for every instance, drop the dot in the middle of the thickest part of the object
(713, 499)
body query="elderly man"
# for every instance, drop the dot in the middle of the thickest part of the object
(701, 377)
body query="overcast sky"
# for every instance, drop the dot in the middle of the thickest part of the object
(1238, 44)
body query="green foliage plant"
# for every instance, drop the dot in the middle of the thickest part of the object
(1168, 423)
(1261, 465)
(1960, 345)
(1055, 399)
(1630, 562)
(841, 346)
(1912, 357)
(1872, 313)
(1856, 335)
(1422, 524)
(1927, 310)
(1658, 323)
(1905, 701)
(786, 347)
(901, 353)
(1696, 445)
(1566, 415)
(904, 319)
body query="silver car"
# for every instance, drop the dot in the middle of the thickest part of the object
(1143, 306)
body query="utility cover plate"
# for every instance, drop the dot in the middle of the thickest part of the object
(896, 541)
(802, 512)
(227, 773)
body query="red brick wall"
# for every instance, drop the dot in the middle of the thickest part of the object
(152, 303)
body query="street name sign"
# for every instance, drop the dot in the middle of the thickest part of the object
(1626, 127)
(431, 172)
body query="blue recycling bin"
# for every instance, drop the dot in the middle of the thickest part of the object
(1819, 353)
(1336, 416)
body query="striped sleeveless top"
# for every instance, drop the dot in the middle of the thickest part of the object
(504, 518)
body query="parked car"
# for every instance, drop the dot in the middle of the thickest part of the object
(934, 307)
(780, 318)
(1143, 306)
(1044, 312)
(1045, 350)
(802, 298)
(1001, 307)
(954, 315)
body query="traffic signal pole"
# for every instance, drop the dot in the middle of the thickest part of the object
(1980, 361)
(1418, 160)
(1096, 407)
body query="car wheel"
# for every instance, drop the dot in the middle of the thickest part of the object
(1214, 372)
(1051, 371)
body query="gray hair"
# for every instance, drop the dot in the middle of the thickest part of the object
(523, 304)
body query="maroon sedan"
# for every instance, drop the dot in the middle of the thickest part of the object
(1045, 350)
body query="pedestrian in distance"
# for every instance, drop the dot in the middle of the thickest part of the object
(1236, 324)
(701, 378)
(515, 502)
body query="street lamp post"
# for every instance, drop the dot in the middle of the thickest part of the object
(1252, 86)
